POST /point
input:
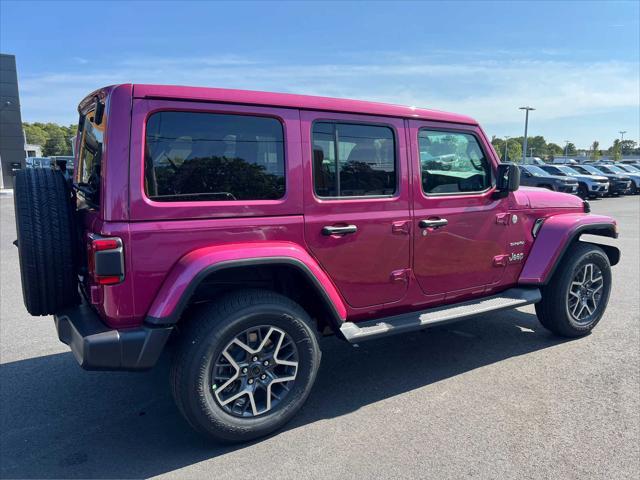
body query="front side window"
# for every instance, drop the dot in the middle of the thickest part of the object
(452, 163)
(193, 156)
(353, 160)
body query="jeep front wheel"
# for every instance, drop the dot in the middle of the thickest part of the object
(244, 365)
(576, 297)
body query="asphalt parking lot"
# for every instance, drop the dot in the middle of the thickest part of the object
(493, 397)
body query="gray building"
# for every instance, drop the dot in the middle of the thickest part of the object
(11, 135)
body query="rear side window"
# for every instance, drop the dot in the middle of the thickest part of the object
(452, 163)
(352, 160)
(90, 158)
(192, 156)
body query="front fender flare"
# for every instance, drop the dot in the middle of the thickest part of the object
(192, 268)
(555, 236)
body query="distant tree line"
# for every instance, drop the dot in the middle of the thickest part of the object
(53, 138)
(538, 147)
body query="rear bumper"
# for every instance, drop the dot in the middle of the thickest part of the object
(98, 347)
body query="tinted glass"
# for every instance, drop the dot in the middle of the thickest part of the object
(353, 160)
(90, 158)
(535, 171)
(192, 156)
(570, 171)
(588, 169)
(615, 169)
(452, 163)
(553, 170)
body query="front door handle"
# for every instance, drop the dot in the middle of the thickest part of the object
(330, 230)
(434, 223)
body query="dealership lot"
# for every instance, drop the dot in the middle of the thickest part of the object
(494, 397)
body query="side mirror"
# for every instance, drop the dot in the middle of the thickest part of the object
(507, 179)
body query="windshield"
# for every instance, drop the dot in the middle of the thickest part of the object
(568, 170)
(614, 169)
(591, 169)
(630, 168)
(535, 171)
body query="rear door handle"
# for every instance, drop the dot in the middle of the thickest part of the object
(329, 230)
(435, 223)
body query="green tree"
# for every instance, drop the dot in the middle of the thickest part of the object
(571, 149)
(539, 145)
(553, 150)
(54, 139)
(595, 152)
(514, 149)
(498, 146)
(56, 144)
(627, 147)
(35, 134)
(615, 150)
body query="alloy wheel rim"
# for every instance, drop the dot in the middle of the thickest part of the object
(585, 293)
(255, 371)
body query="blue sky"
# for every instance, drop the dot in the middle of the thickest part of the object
(577, 62)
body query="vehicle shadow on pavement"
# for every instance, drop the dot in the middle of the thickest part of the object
(59, 421)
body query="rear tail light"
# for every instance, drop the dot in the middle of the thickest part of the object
(106, 260)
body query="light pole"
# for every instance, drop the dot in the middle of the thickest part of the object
(622, 132)
(531, 152)
(506, 143)
(566, 149)
(526, 126)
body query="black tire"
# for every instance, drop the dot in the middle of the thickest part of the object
(554, 309)
(209, 331)
(45, 230)
(583, 192)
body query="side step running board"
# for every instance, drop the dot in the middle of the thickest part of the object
(512, 298)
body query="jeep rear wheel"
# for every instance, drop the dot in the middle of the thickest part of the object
(576, 297)
(244, 365)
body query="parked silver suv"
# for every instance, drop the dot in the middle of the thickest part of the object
(589, 186)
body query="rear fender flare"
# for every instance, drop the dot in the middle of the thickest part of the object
(556, 235)
(194, 267)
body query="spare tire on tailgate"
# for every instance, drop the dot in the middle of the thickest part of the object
(46, 240)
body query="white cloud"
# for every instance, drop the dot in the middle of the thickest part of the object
(488, 90)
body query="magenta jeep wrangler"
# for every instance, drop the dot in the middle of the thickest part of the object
(240, 226)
